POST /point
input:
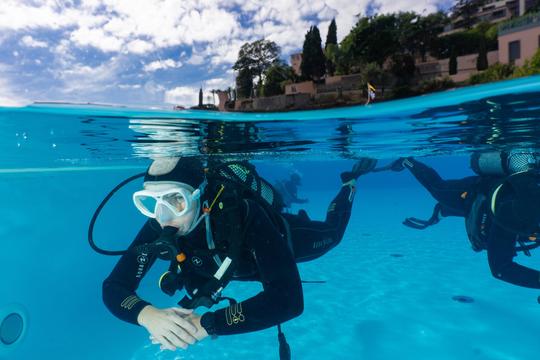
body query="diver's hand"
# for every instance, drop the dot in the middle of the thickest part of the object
(397, 165)
(363, 166)
(169, 327)
(195, 319)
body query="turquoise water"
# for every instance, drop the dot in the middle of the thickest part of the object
(59, 161)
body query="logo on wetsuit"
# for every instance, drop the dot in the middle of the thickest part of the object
(142, 259)
(196, 261)
(233, 314)
(322, 243)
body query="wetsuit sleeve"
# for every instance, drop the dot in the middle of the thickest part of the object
(282, 295)
(447, 192)
(119, 288)
(501, 251)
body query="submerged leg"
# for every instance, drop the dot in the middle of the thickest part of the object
(312, 239)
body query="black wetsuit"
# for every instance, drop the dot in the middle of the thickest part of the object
(267, 257)
(289, 192)
(457, 198)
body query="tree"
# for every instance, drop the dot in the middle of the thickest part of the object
(256, 57)
(452, 64)
(330, 48)
(313, 61)
(372, 39)
(481, 60)
(244, 84)
(429, 28)
(464, 10)
(331, 37)
(372, 73)
(274, 78)
(200, 97)
(331, 53)
(403, 68)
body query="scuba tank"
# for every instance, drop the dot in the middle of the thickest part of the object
(503, 163)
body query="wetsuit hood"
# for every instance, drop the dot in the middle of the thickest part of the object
(184, 170)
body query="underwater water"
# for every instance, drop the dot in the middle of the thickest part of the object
(389, 290)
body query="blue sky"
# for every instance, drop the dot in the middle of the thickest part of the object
(152, 52)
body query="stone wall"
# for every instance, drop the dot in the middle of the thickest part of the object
(281, 102)
(466, 67)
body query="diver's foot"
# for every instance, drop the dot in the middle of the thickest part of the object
(361, 167)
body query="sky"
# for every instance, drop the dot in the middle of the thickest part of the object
(154, 52)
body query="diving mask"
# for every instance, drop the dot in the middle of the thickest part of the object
(180, 199)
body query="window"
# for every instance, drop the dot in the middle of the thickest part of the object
(514, 51)
(498, 14)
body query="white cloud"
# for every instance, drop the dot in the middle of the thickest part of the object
(79, 79)
(220, 83)
(31, 42)
(8, 95)
(11, 100)
(162, 64)
(96, 38)
(152, 88)
(212, 31)
(139, 46)
(196, 59)
(182, 95)
(129, 86)
(15, 15)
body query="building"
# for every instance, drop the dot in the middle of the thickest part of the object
(492, 11)
(296, 63)
(466, 66)
(519, 39)
(332, 84)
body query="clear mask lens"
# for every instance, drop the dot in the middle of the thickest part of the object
(147, 202)
(176, 201)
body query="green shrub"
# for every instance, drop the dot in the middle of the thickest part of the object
(435, 85)
(531, 66)
(495, 72)
(402, 91)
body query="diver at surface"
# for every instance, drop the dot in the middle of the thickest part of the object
(288, 189)
(501, 207)
(216, 224)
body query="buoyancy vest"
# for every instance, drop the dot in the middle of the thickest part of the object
(204, 268)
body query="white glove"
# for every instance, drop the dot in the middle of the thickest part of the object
(169, 327)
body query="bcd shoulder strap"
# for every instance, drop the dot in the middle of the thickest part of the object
(230, 232)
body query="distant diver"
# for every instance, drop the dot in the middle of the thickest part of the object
(288, 189)
(215, 223)
(501, 207)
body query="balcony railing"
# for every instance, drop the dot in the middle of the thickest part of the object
(520, 23)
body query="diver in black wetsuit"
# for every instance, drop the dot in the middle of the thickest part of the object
(501, 208)
(213, 231)
(288, 189)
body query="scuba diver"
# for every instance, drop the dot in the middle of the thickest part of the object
(216, 223)
(501, 207)
(288, 189)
